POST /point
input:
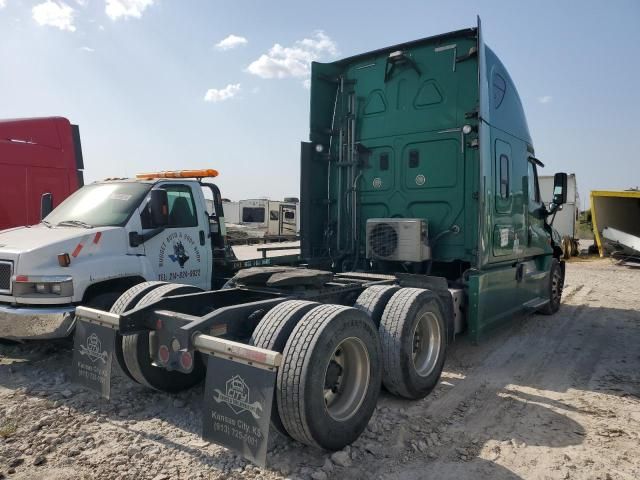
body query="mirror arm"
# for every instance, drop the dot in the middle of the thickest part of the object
(135, 239)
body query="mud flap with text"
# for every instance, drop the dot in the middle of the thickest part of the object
(93, 348)
(237, 407)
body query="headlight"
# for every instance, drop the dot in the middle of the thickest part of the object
(45, 285)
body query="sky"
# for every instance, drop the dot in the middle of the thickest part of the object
(174, 84)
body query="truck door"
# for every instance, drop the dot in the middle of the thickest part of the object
(182, 253)
(537, 237)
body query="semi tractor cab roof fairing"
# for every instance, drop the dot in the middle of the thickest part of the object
(505, 108)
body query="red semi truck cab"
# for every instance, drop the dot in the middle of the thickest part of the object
(37, 156)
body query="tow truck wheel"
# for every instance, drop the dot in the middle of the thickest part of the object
(329, 380)
(273, 332)
(556, 284)
(413, 336)
(128, 300)
(373, 300)
(137, 353)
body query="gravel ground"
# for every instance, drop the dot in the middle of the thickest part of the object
(546, 397)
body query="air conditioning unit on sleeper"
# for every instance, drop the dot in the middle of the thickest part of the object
(398, 239)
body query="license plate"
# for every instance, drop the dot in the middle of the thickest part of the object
(92, 355)
(237, 407)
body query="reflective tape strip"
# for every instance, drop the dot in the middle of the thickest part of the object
(76, 252)
(96, 239)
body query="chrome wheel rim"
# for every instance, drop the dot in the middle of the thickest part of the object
(346, 379)
(426, 344)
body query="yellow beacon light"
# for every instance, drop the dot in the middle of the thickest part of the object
(205, 172)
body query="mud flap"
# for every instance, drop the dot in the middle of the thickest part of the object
(237, 407)
(93, 348)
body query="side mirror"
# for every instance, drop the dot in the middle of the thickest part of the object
(46, 205)
(560, 189)
(159, 208)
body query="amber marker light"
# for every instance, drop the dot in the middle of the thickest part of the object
(203, 173)
(64, 260)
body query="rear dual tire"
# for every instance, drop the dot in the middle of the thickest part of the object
(413, 336)
(272, 333)
(329, 380)
(137, 359)
(373, 301)
(127, 301)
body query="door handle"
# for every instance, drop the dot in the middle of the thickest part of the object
(202, 241)
(519, 272)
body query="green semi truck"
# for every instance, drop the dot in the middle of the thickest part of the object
(421, 220)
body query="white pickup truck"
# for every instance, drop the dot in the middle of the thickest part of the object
(107, 237)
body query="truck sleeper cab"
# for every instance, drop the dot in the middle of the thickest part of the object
(430, 131)
(421, 219)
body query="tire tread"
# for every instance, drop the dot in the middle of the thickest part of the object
(290, 384)
(374, 299)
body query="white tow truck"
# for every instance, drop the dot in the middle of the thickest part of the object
(110, 236)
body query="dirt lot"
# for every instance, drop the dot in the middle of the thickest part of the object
(547, 397)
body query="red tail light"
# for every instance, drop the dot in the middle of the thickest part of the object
(186, 360)
(163, 354)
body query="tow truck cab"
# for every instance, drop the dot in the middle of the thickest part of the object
(105, 238)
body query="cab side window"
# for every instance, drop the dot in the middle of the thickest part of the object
(534, 189)
(504, 176)
(182, 207)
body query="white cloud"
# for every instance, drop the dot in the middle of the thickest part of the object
(220, 95)
(54, 14)
(294, 61)
(126, 8)
(88, 49)
(545, 99)
(232, 41)
(3, 3)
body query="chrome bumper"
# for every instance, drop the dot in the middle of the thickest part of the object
(33, 323)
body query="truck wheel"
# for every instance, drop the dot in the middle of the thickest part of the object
(554, 289)
(329, 380)
(575, 247)
(137, 355)
(566, 248)
(125, 302)
(273, 332)
(413, 335)
(373, 300)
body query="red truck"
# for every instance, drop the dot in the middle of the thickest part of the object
(40, 165)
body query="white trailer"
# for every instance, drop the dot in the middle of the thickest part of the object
(566, 220)
(275, 218)
(231, 211)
